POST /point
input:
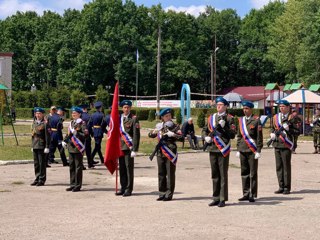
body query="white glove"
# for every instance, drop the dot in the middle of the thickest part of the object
(257, 155)
(133, 154)
(222, 123)
(286, 126)
(238, 154)
(170, 134)
(208, 139)
(73, 131)
(79, 120)
(273, 136)
(31, 149)
(311, 124)
(64, 144)
(46, 150)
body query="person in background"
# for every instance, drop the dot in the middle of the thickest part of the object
(40, 146)
(297, 122)
(316, 131)
(188, 131)
(249, 145)
(98, 126)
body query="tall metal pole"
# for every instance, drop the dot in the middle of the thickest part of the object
(211, 77)
(137, 75)
(158, 70)
(215, 67)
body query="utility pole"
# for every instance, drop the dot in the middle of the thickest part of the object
(158, 70)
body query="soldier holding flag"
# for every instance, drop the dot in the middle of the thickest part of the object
(130, 138)
(218, 132)
(249, 144)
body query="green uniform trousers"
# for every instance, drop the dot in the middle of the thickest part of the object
(166, 177)
(283, 167)
(126, 168)
(40, 165)
(249, 174)
(316, 140)
(76, 167)
(219, 176)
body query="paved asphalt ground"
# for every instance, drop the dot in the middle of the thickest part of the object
(49, 212)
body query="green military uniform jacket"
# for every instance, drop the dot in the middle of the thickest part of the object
(40, 135)
(254, 128)
(169, 141)
(80, 134)
(132, 127)
(316, 124)
(227, 133)
(293, 130)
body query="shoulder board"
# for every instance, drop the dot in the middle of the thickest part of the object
(256, 117)
(229, 115)
(133, 116)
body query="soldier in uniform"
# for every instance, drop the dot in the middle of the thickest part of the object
(130, 138)
(97, 123)
(85, 116)
(74, 141)
(40, 146)
(297, 122)
(249, 145)
(167, 155)
(282, 133)
(217, 133)
(316, 131)
(55, 123)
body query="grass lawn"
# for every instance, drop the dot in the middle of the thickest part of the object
(10, 151)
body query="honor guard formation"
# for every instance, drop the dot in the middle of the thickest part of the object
(217, 134)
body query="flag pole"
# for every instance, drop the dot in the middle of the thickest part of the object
(117, 168)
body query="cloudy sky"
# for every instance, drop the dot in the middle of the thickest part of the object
(9, 7)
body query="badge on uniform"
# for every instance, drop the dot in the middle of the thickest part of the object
(259, 128)
(137, 125)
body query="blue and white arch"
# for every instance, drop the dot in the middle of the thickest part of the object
(185, 104)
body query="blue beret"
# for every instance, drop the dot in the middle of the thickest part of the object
(76, 109)
(222, 100)
(61, 108)
(126, 102)
(164, 111)
(38, 109)
(98, 104)
(247, 104)
(284, 102)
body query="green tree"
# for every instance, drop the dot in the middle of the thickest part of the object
(103, 96)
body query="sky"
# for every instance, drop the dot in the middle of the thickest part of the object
(243, 7)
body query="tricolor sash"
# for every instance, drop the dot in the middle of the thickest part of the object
(167, 152)
(245, 134)
(278, 124)
(124, 135)
(223, 148)
(76, 141)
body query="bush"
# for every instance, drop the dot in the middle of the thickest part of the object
(25, 99)
(178, 116)
(61, 97)
(142, 114)
(103, 96)
(201, 119)
(43, 99)
(78, 97)
(152, 115)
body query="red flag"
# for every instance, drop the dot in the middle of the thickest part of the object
(113, 150)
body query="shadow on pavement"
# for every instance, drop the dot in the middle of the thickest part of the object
(192, 198)
(306, 191)
(97, 189)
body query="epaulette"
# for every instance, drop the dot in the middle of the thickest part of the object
(256, 117)
(229, 115)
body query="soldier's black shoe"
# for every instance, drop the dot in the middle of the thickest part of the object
(40, 184)
(251, 199)
(84, 168)
(119, 193)
(95, 162)
(48, 166)
(286, 192)
(66, 164)
(76, 189)
(213, 203)
(160, 198)
(69, 189)
(126, 194)
(91, 166)
(244, 198)
(34, 183)
(279, 191)
(166, 199)
(54, 161)
(221, 204)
